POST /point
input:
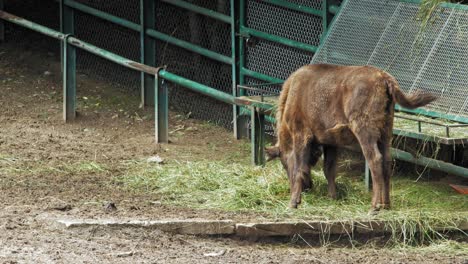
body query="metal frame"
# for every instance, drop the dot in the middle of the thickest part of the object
(152, 76)
(147, 49)
(2, 24)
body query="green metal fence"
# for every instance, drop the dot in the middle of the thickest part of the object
(259, 49)
(206, 41)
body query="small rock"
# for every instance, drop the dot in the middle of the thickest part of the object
(59, 206)
(156, 159)
(109, 206)
(215, 254)
(47, 73)
(124, 254)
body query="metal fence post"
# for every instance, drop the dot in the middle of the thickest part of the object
(69, 80)
(234, 56)
(2, 23)
(241, 122)
(161, 111)
(257, 136)
(68, 60)
(367, 177)
(147, 49)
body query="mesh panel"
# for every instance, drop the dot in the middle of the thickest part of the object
(275, 59)
(272, 19)
(197, 29)
(388, 35)
(209, 34)
(106, 35)
(33, 10)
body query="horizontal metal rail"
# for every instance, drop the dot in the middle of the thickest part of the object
(295, 7)
(152, 33)
(274, 38)
(435, 114)
(419, 120)
(260, 76)
(430, 163)
(200, 10)
(203, 89)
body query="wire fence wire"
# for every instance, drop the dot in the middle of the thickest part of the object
(266, 57)
(389, 35)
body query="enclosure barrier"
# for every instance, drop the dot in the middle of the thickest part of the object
(69, 83)
(71, 42)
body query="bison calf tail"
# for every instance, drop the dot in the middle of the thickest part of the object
(411, 101)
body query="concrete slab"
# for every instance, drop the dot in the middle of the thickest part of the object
(187, 227)
(292, 228)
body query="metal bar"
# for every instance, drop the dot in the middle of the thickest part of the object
(200, 10)
(242, 120)
(367, 177)
(260, 90)
(430, 163)
(203, 89)
(257, 135)
(241, 42)
(161, 111)
(447, 131)
(419, 127)
(151, 32)
(237, 126)
(147, 50)
(2, 24)
(197, 87)
(31, 25)
(245, 111)
(421, 111)
(260, 76)
(426, 121)
(334, 9)
(274, 38)
(295, 7)
(102, 15)
(68, 61)
(189, 46)
(69, 79)
(111, 56)
(324, 14)
(457, 125)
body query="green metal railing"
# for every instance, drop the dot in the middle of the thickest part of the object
(69, 73)
(153, 92)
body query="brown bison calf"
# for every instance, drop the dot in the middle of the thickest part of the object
(326, 106)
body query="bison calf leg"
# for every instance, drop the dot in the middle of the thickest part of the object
(375, 159)
(300, 176)
(329, 168)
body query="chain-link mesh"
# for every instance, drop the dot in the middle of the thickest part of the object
(264, 56)
(209, 34)
(284, 22)
(388, 35)
(274, 59)
(171, 20)
(33, 10)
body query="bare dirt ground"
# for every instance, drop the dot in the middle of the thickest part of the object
(47, 170)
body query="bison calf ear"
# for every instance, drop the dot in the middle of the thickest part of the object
(272, 153)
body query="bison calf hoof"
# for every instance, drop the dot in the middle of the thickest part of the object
(375, 210)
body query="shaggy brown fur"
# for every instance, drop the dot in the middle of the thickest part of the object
(326, 106)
